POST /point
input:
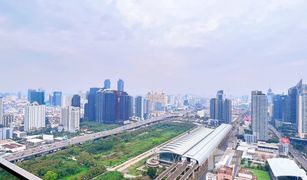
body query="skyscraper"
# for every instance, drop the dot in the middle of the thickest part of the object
(221, 108)
(1, 110)
(220, 99)
(125, 107)
(90, 105)
(227, 111)
(106, 106)
(34, 117)
(76, 101)
(120, 85)
(70, 118)
(29, 94)
(302, 110)
(107, 84)
(36, 96)
(213, 108)
(280, 107)
(259, 107)
(57, 98)
(292, 103)
(146, 108)
(139, 107)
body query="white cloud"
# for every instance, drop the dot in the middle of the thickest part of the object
(182, 23)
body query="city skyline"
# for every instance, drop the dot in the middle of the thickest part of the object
(239, 48)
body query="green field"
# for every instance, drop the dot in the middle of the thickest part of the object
(92, 158)
(261, 174)
(111, 176)
(133, 170)
(97, 127)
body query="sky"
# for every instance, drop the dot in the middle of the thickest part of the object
(175, 46)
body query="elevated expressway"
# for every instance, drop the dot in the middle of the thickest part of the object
(49, 148)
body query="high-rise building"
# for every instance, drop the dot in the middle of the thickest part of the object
(8, 119)
(280, 107)
(213, 108)
(50, 100)
(139, 107)
(6, 133)
(106, 106)
(302, 110)
(34, 117)
(227, 111)
(125, 107)
(57, 98)
(90, 112)
(292, 104)
(1, 110)
(270, 96)
(120, 85)
(70, 118)
(146, 108)
(36, 96)
(76, 101)
(220, 101)
(259, 107)
(30, 93)
(107, 84)
(220, 108)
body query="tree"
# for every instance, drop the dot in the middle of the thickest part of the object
(151, 172)
(50, 175)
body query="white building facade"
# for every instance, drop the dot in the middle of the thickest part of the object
(35, 117)
(259, 107)
(70, 118)
(302, 114)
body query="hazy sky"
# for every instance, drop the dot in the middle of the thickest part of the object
(179, 46)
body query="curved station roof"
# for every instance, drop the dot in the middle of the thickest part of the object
(198, 144)
(282, 167)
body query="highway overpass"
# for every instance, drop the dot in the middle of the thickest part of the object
(48, 148)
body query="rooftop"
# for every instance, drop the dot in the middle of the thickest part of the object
(185, 143)
(198, 144)
(202, 150)
(286, 167)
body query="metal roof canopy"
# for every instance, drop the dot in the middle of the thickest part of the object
(185, 143)
(202, 150)
(198, 144)
(282, 167)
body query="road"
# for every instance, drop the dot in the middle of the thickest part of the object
(81, 139)
(295, 153)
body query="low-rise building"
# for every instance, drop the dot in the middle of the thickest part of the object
(19, 134)
(11, 146)
(245, 174)
(35, 142)
(48, 138)
(229, 164)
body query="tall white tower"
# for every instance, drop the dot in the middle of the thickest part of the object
(70, 118)
(35, 117)
(259, 115)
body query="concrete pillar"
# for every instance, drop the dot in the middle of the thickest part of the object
(211, 162)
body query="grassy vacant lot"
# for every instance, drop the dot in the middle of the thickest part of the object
(111, 176)
(91, 159)
(97, 127)
(261, 174)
